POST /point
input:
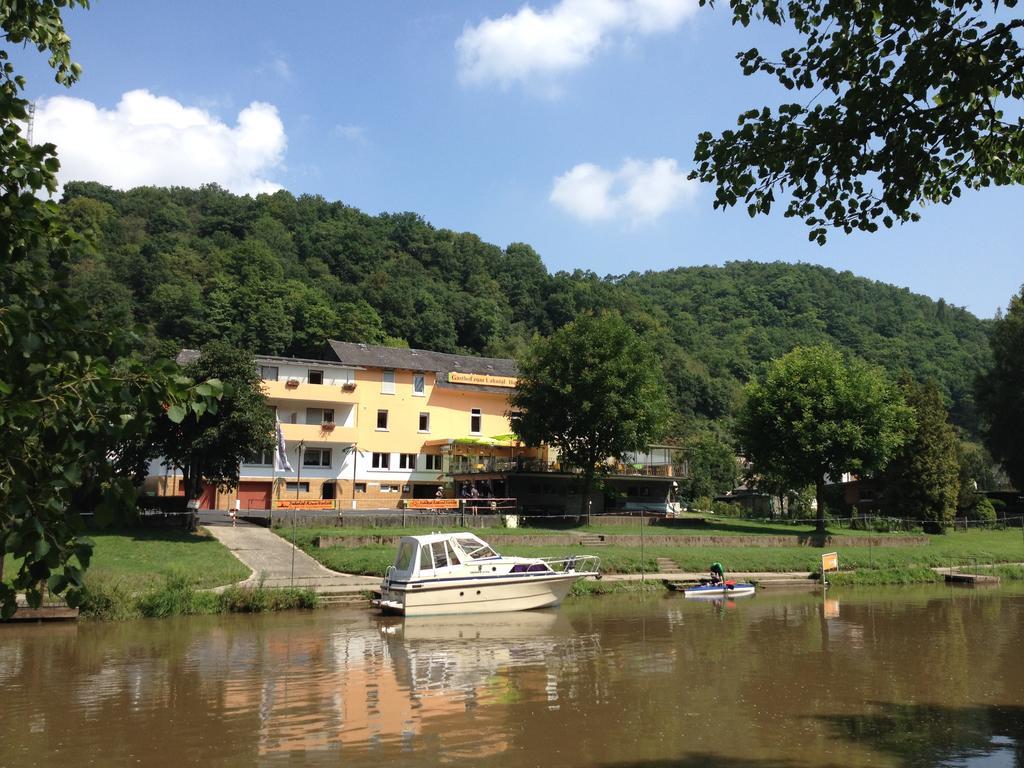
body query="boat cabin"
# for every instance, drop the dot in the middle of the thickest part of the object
(441, 555)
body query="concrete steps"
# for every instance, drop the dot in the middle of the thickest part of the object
(592, 540)
(668, 566)
(339, 599)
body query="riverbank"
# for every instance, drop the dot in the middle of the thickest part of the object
(155, 573)
(868, 558)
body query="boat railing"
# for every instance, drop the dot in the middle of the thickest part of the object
(387, 576)
(574, 563)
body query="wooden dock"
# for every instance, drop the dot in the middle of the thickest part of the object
(970, 579)
(44, 613)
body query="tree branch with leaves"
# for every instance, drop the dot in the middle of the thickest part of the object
(905, 108)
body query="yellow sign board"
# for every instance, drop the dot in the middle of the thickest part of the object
(484, 379)
(830, 562)
(304, 504)
(433, 503)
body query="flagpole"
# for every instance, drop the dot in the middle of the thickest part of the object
(298, 484)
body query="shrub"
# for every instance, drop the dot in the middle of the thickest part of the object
(726, 509)
(984, 511)
(107, 599)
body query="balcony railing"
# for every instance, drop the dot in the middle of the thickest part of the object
(465, 465)
(328, 432)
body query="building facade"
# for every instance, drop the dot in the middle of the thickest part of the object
(374, 427)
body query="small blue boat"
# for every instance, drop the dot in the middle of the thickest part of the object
(728, 589)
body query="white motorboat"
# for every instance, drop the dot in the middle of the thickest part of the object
(451, 573)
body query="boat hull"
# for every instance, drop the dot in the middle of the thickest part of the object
(717, 590)
(477, 596)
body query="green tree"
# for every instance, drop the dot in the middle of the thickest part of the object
(922, 480)
(75, 406)
(901, 104)
(1001, 389)
(210, 448)
(815, 415)
(712, 465)
(975, 472)
(594, 391)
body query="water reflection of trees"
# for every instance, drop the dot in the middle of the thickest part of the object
(924, 735)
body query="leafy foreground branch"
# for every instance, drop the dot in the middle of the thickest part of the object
(112, 599)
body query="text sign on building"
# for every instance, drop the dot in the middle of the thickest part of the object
(433, 503)
(830, 562)
(485, 379)
(304, 504)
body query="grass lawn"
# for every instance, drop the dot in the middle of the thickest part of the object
(950, 549)
(144, 558)
(722, 526)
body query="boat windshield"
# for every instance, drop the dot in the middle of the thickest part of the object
(405, 552)
(474, 548)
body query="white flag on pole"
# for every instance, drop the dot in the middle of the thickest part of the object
(281, 463)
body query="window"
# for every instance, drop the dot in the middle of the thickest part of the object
(474, 421)
(405, 552)
(433, 461)
(268, 372)
(388, 488)
(382, 419)
(424, 422)
(440, 554)
(327, 491)
(407, 461)
(315, 377)
(302, 487)
(319, 415)
(425, 562)
(360, 487)
(419, 384)
(387, 382)
(317, 457)
(381, 460)
(475, 548)
(263, 458)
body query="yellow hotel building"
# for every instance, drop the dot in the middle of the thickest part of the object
(375, 426)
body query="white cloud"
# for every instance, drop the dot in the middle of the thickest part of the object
(638, 192)
(155, 140)
(539, 45)
(277, 67)
(352, 132)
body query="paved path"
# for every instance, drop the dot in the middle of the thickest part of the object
(274, 561)
(764, 577)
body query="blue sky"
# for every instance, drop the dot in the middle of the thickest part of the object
(568, 125)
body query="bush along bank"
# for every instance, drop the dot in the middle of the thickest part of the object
(113, 600)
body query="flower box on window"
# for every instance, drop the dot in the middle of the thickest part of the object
(292, 383)
(327, 426)
(349, 386)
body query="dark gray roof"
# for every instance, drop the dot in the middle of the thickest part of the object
(272, 359)
(441, 363)
(420, 359)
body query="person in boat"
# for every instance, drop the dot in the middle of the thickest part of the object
(717, 573)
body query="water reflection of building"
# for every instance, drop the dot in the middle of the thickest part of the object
(387, 684)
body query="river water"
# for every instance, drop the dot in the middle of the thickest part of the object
(897, 677)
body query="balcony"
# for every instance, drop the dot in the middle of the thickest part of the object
(318, 433)
(472, 465)
(309, 393)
